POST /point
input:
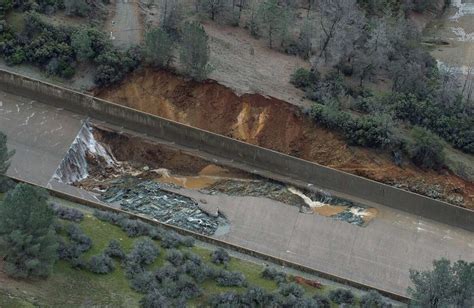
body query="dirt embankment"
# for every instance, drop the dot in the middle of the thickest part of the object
(277, 125)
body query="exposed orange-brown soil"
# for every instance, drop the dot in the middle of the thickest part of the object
(277, 125)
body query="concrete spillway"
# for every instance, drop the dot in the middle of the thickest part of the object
(74, 166)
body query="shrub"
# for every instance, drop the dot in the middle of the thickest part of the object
(79, 239)
(426, 149)
(114, 250)
(135, 228)
(101, 264)
(287, 289)
(254, 297)
(154, 299)
(303, 78)
(370, 131)
(67, 213)
(200, 272)
(157, 233)
(373, 299)
(187, 287)
(144, 252)
(273, 274)
(175, 257)
(110, 217)
(171, 240)
(167, 272)
(322, 301)
(187, 241)
(144, 282)
(341, 296)
(230, 279)
(227, 299)
(220, 256)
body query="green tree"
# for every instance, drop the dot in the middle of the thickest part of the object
(426, 150)
(5, 156)
(194, 51)
(27, 237)
(447, 285)
(274, 20)
(158, 47)
(82, 45)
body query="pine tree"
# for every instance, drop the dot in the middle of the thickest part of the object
(194, 52)
(27, 238)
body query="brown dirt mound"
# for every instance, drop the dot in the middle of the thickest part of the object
(277, 125)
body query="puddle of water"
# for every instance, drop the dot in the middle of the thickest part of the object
(208, 176)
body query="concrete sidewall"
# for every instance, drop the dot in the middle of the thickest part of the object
(237, 151)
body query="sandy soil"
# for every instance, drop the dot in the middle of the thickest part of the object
(277, 125)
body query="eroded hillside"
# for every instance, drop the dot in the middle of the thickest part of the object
(277, 125)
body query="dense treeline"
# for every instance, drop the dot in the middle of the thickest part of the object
(59, 50)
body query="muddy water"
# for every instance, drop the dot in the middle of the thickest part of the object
(456, 30)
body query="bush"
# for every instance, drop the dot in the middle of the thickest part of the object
(303, 78)
(273, 274)
(66, 213)
(135, 228)
(175, 257)
(230, 279)
(426, 150)
(154, 299)
(370, 131)
(220, 256)
(373, 299)
(293, 289)
(187, 241)
(254, 297)
(110, 217)
(114, 250)
(227, 299)
(187, 288)
(144, 252)
(167, 272)
(101, 264)
(144, 282)
(171, 240)
(341, 296)
(322, 301)
(200, 272)
(81, 242)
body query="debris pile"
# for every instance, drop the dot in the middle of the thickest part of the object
(149, 198)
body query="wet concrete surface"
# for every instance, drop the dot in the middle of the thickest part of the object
(40, 134)
(380, 254)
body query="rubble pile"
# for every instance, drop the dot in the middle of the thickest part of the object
(267, 189)
(149, 198)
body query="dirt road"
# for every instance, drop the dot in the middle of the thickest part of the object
(125, 26)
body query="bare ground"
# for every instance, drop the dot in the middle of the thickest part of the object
(277, 125)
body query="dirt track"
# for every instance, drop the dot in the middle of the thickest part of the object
(277, 125)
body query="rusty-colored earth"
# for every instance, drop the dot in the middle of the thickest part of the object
(277, 125)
